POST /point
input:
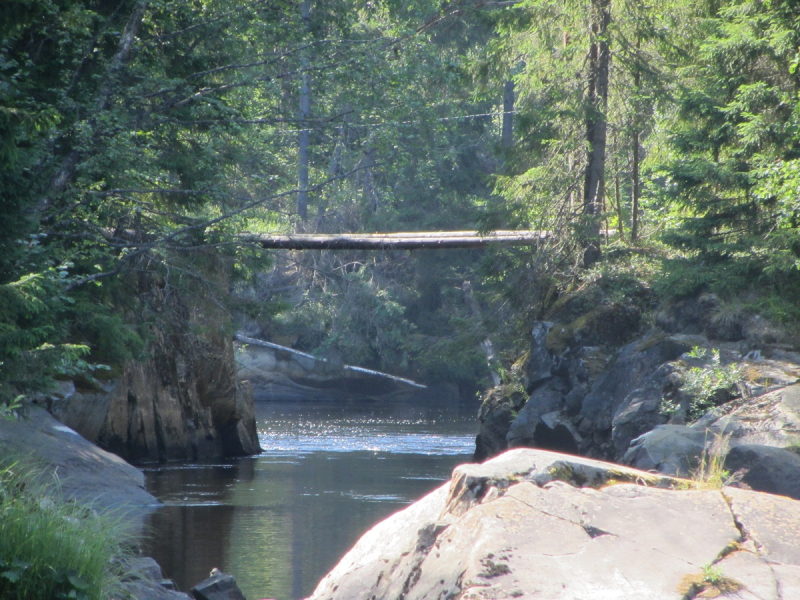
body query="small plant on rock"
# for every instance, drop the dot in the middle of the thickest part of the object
(706, 386)
(711, 472)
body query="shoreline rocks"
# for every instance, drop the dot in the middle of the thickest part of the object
(80, 470)
(533, 523)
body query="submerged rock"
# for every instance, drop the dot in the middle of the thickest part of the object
(532, 523)
(218, 586)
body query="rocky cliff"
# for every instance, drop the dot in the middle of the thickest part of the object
(184, 403)
(536, 524)
(181, 402)
(596, 384)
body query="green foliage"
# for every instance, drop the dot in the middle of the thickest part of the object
(704, 385)
(55, 549)
(128, 174)
(28, 329)
(732, 170)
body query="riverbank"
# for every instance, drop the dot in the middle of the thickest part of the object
(69, 470)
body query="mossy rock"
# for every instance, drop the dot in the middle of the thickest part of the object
(605, 325)
(572, 305)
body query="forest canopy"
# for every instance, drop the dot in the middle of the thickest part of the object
(141, 139)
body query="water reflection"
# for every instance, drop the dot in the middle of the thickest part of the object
(280, 521)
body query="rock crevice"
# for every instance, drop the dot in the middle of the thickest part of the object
(535, 531)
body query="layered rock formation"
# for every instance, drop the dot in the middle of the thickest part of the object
(536, 524)
(184, 403)
(182, 400)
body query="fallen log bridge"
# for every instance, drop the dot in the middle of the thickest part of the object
(412, 240)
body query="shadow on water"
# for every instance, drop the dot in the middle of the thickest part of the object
(280, 521)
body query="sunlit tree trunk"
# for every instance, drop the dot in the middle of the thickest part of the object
(596, 126)
(597, 100)
(508, 115)
(637, 82)
(305, 137)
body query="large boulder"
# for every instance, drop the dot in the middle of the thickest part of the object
(80, 470)
(669, 449)
(627, 381)
(532, 523)
(765, 469)
(772, 419)
(548, 397)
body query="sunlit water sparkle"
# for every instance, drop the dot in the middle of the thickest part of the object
(280, 521)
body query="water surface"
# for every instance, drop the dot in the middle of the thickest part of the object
(329, 472)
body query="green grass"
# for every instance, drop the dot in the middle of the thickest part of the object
(52, 549)
(711, 472)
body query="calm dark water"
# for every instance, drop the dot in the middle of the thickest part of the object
(280, 521)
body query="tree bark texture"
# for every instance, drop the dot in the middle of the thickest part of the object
(637, 82)
(597, 101)
(305, 134)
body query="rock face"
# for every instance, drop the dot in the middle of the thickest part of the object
(669, 449)
(84, 472)
(772, 419)
(182, 404)
(496, 414)
(537, 524)
(599, 400)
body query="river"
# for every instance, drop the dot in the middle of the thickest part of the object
(329, 472)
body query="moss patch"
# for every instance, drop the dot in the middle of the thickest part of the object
(604, 325)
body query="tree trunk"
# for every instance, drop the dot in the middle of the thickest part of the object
(618, 200)
(305, 137)
(596, 126)
(367, 180)
(66, 171)
(637, 81)
(507, 139)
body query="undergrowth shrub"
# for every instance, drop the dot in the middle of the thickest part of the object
(704, 385)
(54, 549)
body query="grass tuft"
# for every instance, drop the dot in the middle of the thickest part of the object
(53, 549)
(710, 473)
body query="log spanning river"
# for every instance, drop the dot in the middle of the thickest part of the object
(329, 472)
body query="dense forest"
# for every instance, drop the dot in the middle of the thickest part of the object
(142, 141)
